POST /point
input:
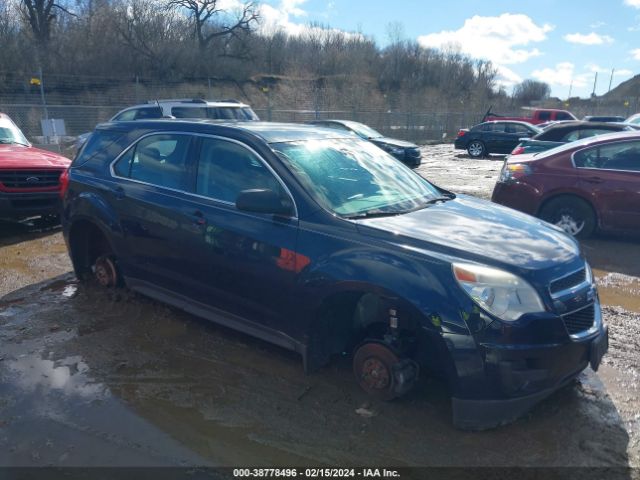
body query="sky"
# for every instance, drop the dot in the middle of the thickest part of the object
(561, 42)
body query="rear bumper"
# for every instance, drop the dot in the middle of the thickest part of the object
(517, 195)
(22, 205)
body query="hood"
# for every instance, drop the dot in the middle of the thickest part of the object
(478, 230)
(393, 142)
(19, 156)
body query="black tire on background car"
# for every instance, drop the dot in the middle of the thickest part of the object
(574, 215)
(476, 149)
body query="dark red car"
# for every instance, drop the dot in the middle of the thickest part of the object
(581, 186)
(29, 177)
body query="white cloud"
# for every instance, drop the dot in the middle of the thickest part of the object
(507, 78)
(499, 39)
(632, 3)
(588, 39)
(275, 18)
(594, 68)
(563, 74)
(596, 25)
(636, 53)
(279, 17)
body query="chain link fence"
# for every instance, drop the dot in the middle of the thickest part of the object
(83, 102)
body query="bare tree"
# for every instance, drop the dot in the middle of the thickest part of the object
(211, 21)
(531, 90)
(40, 14)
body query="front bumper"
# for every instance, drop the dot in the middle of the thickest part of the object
(516, 377)
(22, 205)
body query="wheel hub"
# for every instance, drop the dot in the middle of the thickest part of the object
(105, 272)
(569, 224)
(375, 374)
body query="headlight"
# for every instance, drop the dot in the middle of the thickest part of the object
(500, 293)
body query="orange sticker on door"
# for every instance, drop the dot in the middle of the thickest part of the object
(292, 261)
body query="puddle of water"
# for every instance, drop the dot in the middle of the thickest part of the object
(618, 289)
(68, 376)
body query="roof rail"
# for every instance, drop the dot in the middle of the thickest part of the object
(229, 100)
(181, 100)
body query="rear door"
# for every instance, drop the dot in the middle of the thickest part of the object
(611, 175)
(151, 198)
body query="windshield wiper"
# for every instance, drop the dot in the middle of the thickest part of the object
(5, 141)
(438, 199)
(374, 213)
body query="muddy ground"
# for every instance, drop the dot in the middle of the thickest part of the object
(94, 378)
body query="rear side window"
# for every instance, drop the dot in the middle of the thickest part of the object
(126, 116)
(617, 156)
(225, 169)
(226, 113)
(148, 112)
(544, 116)
(100, 143)
(563, 116)
(158, 160)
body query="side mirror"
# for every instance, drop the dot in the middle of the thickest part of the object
(264, 201)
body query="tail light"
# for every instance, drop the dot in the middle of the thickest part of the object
(518, 150)
(64, 182)
(462, 132)
(512, 172)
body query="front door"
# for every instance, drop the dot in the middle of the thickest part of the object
(245, 262)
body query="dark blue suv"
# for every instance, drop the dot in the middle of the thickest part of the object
(322, 243)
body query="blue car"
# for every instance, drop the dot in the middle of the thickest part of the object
(322, 243)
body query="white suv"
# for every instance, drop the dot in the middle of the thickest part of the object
(188, 108)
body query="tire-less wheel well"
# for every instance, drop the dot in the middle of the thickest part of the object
(86, 244)
(344, 321)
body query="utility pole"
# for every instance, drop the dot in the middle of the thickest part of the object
(611, 79)
(570, 88)
(44, 100)
(595, 82)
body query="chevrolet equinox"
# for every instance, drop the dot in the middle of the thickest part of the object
(322, 243)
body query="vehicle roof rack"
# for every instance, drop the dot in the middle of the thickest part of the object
(229, 100)
(181, 100)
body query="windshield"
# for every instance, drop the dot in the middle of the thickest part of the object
(355, 178)
(9, 134)
(363, 130)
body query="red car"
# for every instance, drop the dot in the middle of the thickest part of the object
(581, 186)
(29, 177)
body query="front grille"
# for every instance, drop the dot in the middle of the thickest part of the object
(569, 281)
(24, 179)
(580, 320)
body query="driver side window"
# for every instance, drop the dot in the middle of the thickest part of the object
(225, 169)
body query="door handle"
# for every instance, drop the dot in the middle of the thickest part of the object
(594, 180)
(199, 218)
